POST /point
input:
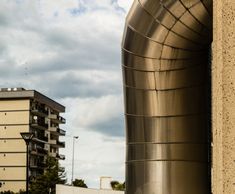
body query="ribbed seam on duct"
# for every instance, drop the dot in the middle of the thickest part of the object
(166, 89)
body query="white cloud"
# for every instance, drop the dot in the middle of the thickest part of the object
(126, 4)
(95, 157)
(97, 110)
(93, 114)
(98, 153)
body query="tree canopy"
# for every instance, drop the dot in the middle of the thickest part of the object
(53, 175)
(117, 185)
(79, 183)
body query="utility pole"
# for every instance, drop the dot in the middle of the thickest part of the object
(27, 138)
(74, 137)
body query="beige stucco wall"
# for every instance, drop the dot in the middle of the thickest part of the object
(14, 186)
(14, 118)
(13, 131)
(12, 145)
(14, 105)
(10, 159)
(18, 173)
(13, 113)
(13, 173)
(223, 97)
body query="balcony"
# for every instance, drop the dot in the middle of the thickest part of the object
(32, 165)
(34, 152)
(40, 111)
(60, 156)
(56, 155)
(38, 165)
(61, 144)
(52, 141)
(41, 164)
(39, 151)
(40, 138)
(57, 131)
(57, 143)
(39, 125)
(42, 150)
(57, 119)
(52, 154)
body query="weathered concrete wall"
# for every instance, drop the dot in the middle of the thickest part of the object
(223, 97)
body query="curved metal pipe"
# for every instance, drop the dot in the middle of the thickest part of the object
(165, 72)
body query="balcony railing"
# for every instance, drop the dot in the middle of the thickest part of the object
(40, 138)
(39, 151)
(33, 165)
(39, 124)
(61, 144)
(52, 154)
(57, 143)
(57, 130)
(62, 132)
(38, 164)
(56, 155)
(52, 141)
(39, 111)
(57, 118)
(60, 156)
(42, 151)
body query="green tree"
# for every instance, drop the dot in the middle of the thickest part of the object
(79, 183)
(117, 185)
(53, 175)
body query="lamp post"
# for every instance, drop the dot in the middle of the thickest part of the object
(74, 137)
(27, 138)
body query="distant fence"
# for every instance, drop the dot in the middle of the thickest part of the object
(63, 189)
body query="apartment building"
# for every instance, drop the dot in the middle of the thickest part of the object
(27, 111)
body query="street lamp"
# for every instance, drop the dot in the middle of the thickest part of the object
(27, 138)
(74, 137)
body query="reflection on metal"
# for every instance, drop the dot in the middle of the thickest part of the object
(165, 64)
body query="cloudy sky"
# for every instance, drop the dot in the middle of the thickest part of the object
(69, 50)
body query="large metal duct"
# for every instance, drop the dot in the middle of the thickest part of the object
(165, 54)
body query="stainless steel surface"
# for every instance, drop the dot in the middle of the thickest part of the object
(165, 74)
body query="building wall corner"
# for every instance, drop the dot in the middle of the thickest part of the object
(223, 97)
